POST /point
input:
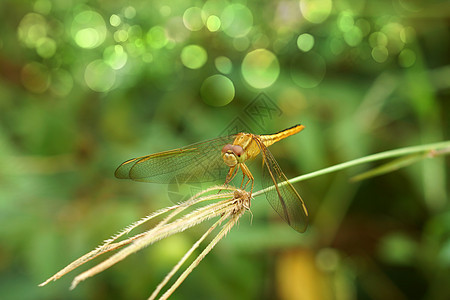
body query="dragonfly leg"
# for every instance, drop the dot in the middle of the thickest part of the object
(242, 182)
(246, 172)
(231, 174)
(246, 183)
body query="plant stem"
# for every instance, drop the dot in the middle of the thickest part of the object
(440, 148)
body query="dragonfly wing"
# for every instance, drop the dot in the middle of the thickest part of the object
(199, 162)
(283, 198)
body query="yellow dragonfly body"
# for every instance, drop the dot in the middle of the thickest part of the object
(205, 161)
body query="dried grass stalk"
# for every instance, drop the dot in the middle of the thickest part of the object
(232, 205)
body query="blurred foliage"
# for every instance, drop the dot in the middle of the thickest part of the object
(86, 85)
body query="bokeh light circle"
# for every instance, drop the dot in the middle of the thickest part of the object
(35, 77)
(407, 34)
(115, 20)
(46, 47)
(345, 21)
(364, 26)
(214, 7)
(99, 76)
(42, 6)
(223, 64)
(353, 37)
(88, 29)
(129, 12)
(32, 28)
(165, 10)
(176, 31)
(237, 20)
(315, 11)
(217, 90)
(213, 23)
(260, 68)
(380, 54)
(121, 36)
(156, 37)
(378, 39)
(308, 69)
(407, 58)
(192, 19)
(115, 56)
(193, 56)
(305, 42)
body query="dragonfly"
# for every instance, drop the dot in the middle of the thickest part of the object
(223, 157)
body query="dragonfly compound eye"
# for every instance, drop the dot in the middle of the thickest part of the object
(227, 148)
(238, 150)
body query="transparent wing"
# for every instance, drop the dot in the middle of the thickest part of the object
(199, 162)
(283, 198)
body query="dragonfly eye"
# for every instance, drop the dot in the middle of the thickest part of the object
(238, 150)
(227, 148)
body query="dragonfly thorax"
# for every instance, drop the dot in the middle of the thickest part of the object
(232, 154)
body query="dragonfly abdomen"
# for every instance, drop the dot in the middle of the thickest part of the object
(269, 139)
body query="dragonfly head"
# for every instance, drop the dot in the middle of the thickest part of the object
(232, 154)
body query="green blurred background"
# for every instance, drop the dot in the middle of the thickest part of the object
(86, 85)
